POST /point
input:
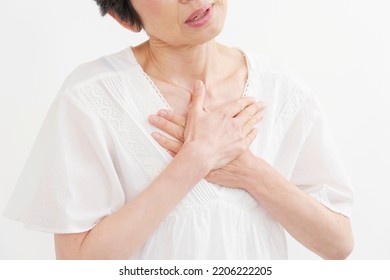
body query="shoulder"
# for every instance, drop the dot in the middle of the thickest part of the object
(94, 82)
(276, 83)
(90, 72)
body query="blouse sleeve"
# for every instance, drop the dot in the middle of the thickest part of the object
(69, 182)
(318, 169)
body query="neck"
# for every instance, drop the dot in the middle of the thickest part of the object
(180, 65)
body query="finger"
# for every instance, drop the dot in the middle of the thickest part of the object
(237, 106)
(252, 122)
(167, 143)
(250, 137)
(198, 96)
(169, 127)
(250, 111)
(173, 117)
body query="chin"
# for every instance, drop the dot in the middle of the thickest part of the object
(209, 33)
(212, 34)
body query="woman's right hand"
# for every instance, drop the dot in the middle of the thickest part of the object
(224, 134)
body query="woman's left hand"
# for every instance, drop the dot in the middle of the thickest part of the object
(234, 174)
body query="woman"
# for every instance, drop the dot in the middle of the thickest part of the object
(207, 185)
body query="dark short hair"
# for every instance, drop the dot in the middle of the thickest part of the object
(123, 9)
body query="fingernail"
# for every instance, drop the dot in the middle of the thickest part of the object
(198, 84)
(156, 136)
(163, 113)
(154, 119)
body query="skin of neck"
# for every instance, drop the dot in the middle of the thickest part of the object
(181, 64)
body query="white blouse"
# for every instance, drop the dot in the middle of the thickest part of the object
(94, 153)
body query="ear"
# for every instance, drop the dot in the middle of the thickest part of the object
(125, 24)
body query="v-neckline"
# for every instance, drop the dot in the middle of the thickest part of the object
(203, 191)
(158, 93)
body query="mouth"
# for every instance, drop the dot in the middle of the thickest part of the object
(200, 14)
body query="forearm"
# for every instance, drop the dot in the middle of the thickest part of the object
(119, 235)
(315, 226)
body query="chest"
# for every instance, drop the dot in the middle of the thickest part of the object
(217, 95)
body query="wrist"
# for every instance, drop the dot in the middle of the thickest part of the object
(197, 155)
(267, 184)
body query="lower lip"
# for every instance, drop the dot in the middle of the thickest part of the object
(203, 21)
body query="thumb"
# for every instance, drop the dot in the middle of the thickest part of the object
(198, 96)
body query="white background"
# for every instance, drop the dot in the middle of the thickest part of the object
(340, 48)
